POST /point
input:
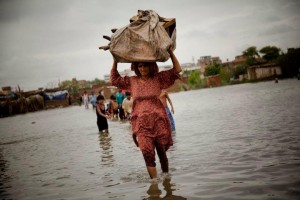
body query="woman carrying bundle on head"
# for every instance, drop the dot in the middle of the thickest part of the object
(150, 123)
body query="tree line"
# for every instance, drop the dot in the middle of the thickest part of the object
(289, 63)
(73, 86)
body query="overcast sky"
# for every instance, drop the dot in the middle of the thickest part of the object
(44, 41)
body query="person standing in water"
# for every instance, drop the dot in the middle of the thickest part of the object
(120, 98)
(150, 123)
(101, 117)
(164, 97)
(127, 105)
(85, 99)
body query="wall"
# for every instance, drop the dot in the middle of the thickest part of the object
(267, 72)
(213, 81)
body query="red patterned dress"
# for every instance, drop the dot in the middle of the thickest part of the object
(149, 120)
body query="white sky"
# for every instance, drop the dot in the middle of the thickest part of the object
(43, 41)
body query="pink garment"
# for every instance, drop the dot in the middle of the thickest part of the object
(147, 108)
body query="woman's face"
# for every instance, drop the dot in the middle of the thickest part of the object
(144, 69)
(100, 102)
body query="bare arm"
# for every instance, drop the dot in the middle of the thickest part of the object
(175, 62)
(115, 65)
(117, 80)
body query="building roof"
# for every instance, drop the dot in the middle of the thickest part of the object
(265, 65)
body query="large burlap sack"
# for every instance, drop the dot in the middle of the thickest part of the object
(143, 40)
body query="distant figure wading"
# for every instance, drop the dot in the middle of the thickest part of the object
(85, 99)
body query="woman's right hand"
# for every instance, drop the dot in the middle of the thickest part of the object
(171, 49)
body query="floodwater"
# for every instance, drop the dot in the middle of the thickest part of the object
(232, 142)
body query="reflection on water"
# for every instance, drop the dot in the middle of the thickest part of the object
(155, 193)
(4, 177)
(107, 158)
(235, 142)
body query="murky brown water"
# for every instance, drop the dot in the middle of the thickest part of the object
(234, 142)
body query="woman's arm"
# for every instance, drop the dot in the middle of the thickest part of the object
(117, 80)
(176, 65)
(115, 65)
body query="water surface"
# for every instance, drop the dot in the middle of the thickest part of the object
(233, 142)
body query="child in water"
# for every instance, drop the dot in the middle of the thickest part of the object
(164, 97)
(101, 117)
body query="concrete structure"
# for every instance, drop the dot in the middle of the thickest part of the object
(213, 81)
(239, 60)
(263, 71)
(205, 61)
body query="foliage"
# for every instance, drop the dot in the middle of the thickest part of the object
(213, 69)
(251, 54)
(290, 63)
(71, 86)
(270, 53)
(85, 85)
(65, 84)
(239, 70)
(225, 75)
(194, 80)
(97, 81)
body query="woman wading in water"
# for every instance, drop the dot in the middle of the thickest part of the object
(150, 123)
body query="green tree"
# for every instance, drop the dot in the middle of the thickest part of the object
(251, 54)
(97, 81)
(270, 53)
(194, 79)
(239, 70)
(290, 63)
(86, 85)
(71, 86)
(225, 75)
(65, 84)
(213, 69)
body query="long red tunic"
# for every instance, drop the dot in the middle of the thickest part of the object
(147, 109)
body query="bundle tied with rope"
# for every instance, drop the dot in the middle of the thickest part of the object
(146, 39)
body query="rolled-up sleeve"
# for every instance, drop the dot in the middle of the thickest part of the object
(167, 78)
(118, 81)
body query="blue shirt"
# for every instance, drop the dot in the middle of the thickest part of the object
(119, 97)
(94, 100)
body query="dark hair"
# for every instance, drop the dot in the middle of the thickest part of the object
(113, 97)
(100, 97)
(153, 68)
(127, 93)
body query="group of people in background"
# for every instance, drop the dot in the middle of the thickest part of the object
(119, 107)
(87, 99)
